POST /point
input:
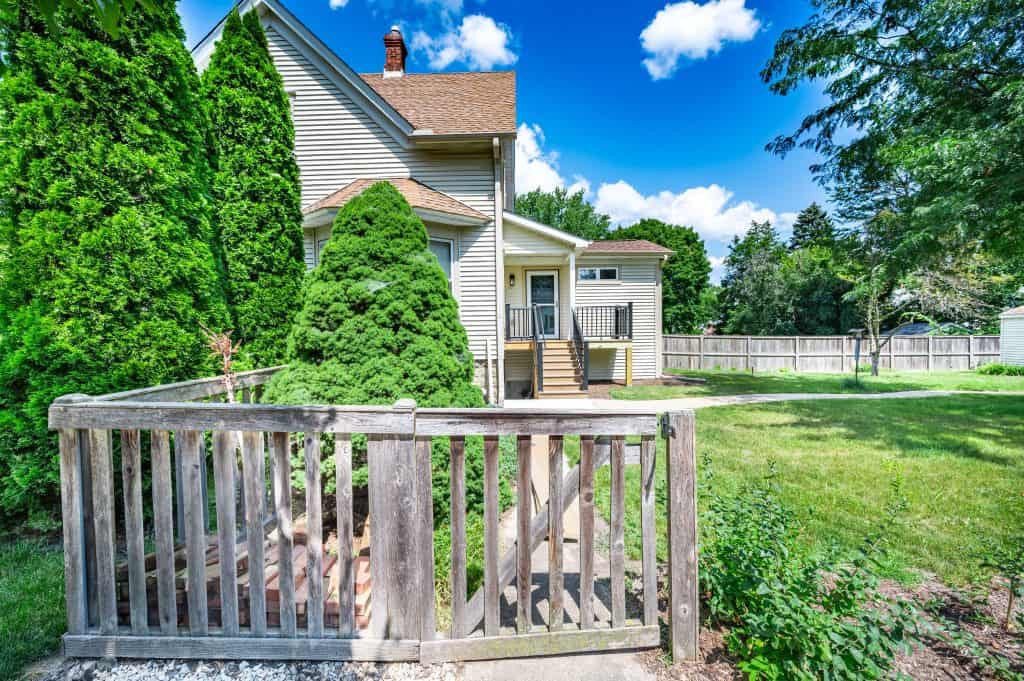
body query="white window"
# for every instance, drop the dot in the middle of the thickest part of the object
(444, 250)
(598, 273)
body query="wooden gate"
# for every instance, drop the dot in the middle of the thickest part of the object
(178, 602)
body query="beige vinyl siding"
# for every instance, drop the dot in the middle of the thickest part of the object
(1011, 341)
(336, 142)
(638, 284)
(523, 242)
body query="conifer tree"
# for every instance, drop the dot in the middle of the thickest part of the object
(108, 265)
(813, 227)
(378, 323)
(257, 206)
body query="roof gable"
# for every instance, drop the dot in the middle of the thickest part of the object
(422, 198)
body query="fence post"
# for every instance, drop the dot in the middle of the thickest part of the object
(970, 352)
(681, 471)
(71, 492)
(396, 570)
(931, 353)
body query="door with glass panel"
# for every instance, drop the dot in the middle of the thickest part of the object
(542, 291)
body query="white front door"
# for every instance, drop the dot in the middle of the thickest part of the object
(542, 291)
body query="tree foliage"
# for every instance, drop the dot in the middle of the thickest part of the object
(684, 276)
(256, 190)
(108, 267)
(378, 323)
(813, 227)
(924, 119)
(568, 212)
(754, 298)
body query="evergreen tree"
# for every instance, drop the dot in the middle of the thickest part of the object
(256, 189)
(684, 276)
(378, 323)
(813, 227)
(107, 266)
(755, 300)
(568, 212)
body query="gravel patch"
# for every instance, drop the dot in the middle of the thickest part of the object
(179, 670)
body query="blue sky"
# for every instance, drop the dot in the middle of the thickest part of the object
(656, 109)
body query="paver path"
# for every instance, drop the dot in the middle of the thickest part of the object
(647, 406)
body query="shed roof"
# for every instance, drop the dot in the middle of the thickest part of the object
(626, 246)
(416, 193)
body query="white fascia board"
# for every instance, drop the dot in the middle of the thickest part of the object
(545, 230)
(324, 58)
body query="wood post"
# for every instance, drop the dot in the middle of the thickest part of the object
(75, 590)
(682, 534)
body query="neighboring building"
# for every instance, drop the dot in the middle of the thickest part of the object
(446, 141)
(1011, 337)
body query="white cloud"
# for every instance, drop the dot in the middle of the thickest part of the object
(580, 184)
(717, 268)
(688, 29)
(535, 167)
(337, 4)
(479, 42)
(710, 210)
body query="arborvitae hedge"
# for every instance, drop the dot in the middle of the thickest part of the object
(379, 323)
(106, 264)
(256, 189)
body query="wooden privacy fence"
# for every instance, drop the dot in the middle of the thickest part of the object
(222, 611)
(827, 354)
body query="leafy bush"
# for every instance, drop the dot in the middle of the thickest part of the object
(257, 204)
(378, 323)
(793, 613)
(107, 258)
(996, 369)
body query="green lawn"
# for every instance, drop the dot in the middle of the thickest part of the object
(745, 383)
(31, 603)
(961, 460)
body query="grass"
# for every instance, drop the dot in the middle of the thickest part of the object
(961, 460)
(31, 603)
(745, 383)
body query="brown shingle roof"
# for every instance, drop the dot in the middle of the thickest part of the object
(626, 246)
(416, 193)
(452, 103)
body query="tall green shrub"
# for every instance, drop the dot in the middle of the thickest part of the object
(257, 206)
(378, 323)
(107, 265)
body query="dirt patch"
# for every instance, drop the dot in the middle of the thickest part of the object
(603, 390)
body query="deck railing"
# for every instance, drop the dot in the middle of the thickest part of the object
(224, 613)
(607, 322)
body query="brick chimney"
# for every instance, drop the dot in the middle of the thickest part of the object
(394, 54)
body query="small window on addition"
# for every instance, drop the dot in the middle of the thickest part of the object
(598, 273)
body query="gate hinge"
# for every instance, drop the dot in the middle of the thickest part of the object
(666, 429)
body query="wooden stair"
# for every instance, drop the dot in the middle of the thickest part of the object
(562, 377)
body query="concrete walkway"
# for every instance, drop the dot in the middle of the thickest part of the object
(676, 403)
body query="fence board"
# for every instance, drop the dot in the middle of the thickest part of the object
(131, 472)
(586, 468)
(74, 533)
(188, 449)
(253, 480)
(681, 471)
(103, 518)
(648, 529)
(556, 511)
(617, 540)
(492, 593)
(425, 540)
(457, 481)
(224, 447)
(346, 577)
(163, 530)
(280, 445)
(314, 540)
(524, 507)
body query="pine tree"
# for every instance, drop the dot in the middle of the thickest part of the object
(107, 266)
(257, 206)
(378, 323)
(813, 227)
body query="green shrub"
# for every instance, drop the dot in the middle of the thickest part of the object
(792, 613)
(107, 260)
(996, 369)
(378, 323)
(256, 191)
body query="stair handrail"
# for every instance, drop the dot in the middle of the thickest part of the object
(582, 350)
(538, 352)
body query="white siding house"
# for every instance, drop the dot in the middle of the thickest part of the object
(1011, 337)
(446, 141)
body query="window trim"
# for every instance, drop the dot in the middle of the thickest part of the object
(597, 271)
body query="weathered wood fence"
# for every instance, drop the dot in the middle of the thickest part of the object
(827, 354)
(104, 523)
